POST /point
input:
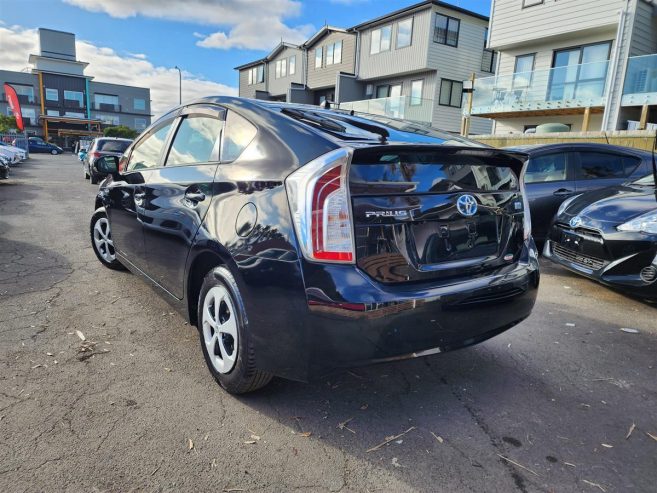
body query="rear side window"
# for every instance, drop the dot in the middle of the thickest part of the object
(596, 165)
(196, 141)
(543, 169)
(238, 134)
(112, 145)
(146, 154)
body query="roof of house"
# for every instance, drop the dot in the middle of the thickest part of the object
(321, 33)
(416, 7)
(251, 64)
(280, 47)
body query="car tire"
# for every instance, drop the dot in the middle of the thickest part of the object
(93, 178)
(225, 340)
(101, 240)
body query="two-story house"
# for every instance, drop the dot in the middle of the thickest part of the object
(588, 64)
(413, 62)
(409, 64)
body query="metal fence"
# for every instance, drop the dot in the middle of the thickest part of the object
(15, 139)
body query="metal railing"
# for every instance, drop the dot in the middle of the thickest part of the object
(403, 107)
(640, 81)
(574, 86)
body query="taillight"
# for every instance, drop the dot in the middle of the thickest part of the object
(319, 201)
(96, 154)
(526, 217)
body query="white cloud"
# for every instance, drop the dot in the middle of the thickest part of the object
(247, 24)
(105, 65)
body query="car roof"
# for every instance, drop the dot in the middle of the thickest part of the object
(570, 146)
(341, 126)
(113, 138)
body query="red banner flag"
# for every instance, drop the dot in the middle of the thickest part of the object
(15, 105)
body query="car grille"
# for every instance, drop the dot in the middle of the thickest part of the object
(577, 258)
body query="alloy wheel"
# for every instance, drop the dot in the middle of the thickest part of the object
(220, 329)
(103, 240)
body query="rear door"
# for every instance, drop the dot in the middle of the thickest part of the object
(424, 213)
(548, 181)
(600, 169)
(178, 194)
(127, 196)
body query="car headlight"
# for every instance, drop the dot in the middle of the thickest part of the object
(646, 223)
(564, 205)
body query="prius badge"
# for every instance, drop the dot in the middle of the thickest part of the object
(466, 205)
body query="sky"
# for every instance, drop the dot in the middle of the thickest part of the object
(139, 42)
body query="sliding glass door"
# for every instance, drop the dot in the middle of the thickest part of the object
(579, 73)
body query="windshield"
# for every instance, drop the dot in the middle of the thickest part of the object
(646, 181)
(113, 145)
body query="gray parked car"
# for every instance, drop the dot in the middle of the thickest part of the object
(102, 146)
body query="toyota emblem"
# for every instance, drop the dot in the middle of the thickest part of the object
(575, 222)
(467, 205)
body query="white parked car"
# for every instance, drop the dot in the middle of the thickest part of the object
(22, 153)
(13, 156)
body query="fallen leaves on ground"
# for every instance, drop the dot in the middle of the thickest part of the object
(190, 444)
(629, 432)
(595, 485)
(390, 439)
(343, 425)
(80, 335)
(439, 438)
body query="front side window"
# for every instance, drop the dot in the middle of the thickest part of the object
(446, 30)
(293, 64)
(52, 94)
(146, 153)
(548, 168)
(139, 104)
(596, 165)
(451, 93)
(196, 141)
(380, 40)
(318, 57)
(404, 33)
(416, 92)
(238, 134)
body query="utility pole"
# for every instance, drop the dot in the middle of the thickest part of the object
(179, 84)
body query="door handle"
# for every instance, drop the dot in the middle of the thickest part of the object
(562, 191)
(194, 197)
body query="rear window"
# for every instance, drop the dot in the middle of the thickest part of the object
(112, 145)
(427, 172)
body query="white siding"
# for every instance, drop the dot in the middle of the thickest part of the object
(405, 60)
(513, 25)
(644, 36)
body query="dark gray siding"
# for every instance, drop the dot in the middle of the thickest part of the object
(325, 76)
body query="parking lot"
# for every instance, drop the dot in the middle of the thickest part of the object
(565, 401)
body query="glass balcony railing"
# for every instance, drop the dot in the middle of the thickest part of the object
(574, 86)
(402, 107)
(640, 81)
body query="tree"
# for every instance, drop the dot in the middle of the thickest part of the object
(120, 131)
(7, 123)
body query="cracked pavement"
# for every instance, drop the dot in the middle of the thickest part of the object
(544, 407)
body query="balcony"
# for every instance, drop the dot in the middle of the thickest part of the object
(640, 81)
(562, 90)
(394, 107)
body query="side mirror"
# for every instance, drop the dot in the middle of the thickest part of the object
(108, 165)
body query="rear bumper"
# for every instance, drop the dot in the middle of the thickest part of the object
(623, 273)
(350, 320)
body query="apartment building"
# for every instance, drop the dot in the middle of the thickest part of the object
(62, 104)
(589, 64)
(408, 64)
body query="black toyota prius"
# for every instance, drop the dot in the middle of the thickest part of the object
(300, 240)
(610, 235)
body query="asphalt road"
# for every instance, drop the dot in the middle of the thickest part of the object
(546, 406)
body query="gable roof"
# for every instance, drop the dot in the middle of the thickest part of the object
(414, 8)
(251, 64)
(280, 47)
(321, 33)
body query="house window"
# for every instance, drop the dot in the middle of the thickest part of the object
(29, 114)
(140, 123)
(250, 77)
(579, 72)
(446, 30)
(380, 40)
(260, 74)
(52, 94)
(404, 33)
(281, 68)
(382, 91)
(318, 57)
(488, 60)
(451, 93)
(334, 53)
(74, 114)
(531, 3)
(106, 102)
(522, 73)
(74, 96)
(25, 93)
(416, 92)
(107, 119)
(293, 65)
(52, 112)
(139, 104)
